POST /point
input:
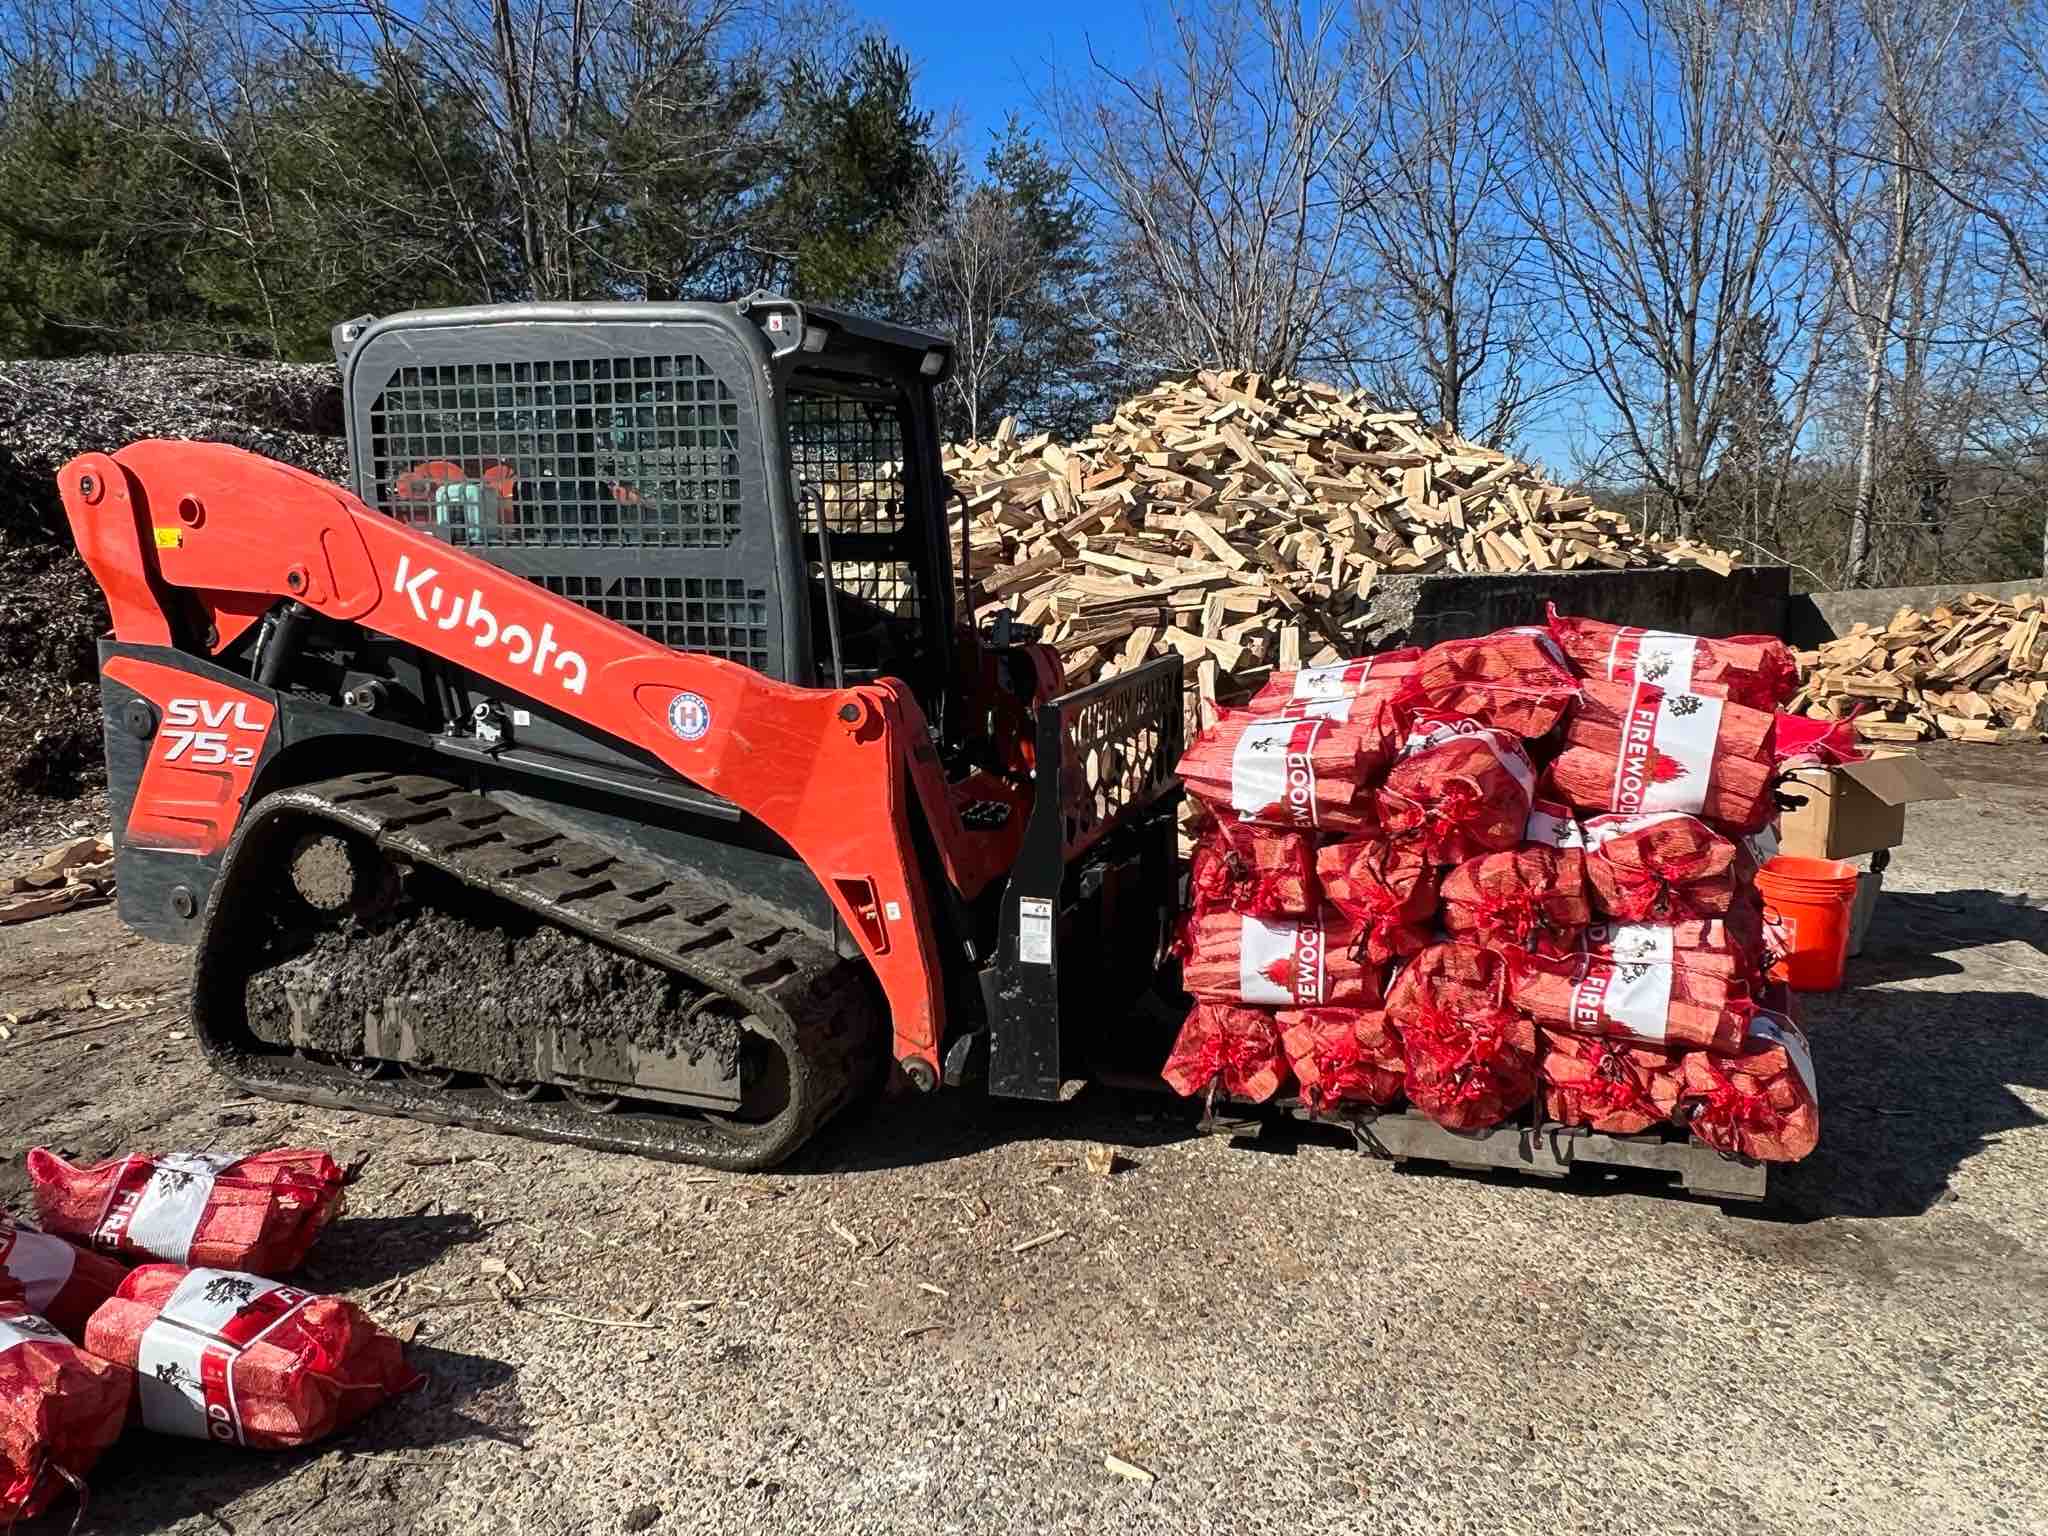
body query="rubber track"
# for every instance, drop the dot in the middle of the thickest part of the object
(820, 1007)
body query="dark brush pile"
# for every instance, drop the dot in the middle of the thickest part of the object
(51, 613)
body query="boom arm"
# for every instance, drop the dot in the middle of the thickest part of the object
(826, 769)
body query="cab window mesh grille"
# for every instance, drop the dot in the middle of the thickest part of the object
(610, 452)
(719, 616)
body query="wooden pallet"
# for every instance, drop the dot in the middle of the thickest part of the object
(1546, 1150)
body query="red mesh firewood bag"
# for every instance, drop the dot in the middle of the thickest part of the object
(1760, 1103)
(1532, 897)
(258, 1213)
(1659, 866)
(1311, 690)
(1236, 1049)
(1457, 789)
(1608, 1085)
(1515, 680)
(1387, 889)
(1731, 947)
(1343, 1056)
(1755, 670)
(1470, 1059)
(1280, 962)
(1635, 748)
(56, 1281)
(244, 1360)
(1306, 775)
(1255, 869)
(59, 1408)
(1636, 995)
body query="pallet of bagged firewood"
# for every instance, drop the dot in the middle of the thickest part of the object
(1528, 1145)
(1975, 669)
(1241, 521)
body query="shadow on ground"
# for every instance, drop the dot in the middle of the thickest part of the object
(359, 1252)
(148, 1482)
(1916, 1079)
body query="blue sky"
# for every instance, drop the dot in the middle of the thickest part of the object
(988, 59)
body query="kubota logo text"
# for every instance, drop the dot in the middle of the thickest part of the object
(434, 604)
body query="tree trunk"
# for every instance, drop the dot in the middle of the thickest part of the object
(1866, 474)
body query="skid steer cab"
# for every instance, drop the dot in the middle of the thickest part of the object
(613, 760)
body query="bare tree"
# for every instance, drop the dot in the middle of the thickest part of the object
(1458, 330)
(1984, 156)
(1856, 88)
(565, 90)
(1217, 170)
(1662, 221)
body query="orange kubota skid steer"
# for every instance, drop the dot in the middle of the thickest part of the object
(609, 764)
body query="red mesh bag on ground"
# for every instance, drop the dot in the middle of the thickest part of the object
(258, 1213)
(1280, 962)
(1304, 775)
(1660, 866)
(1457, 789)
(59, 1408)
(1635, 995)
(1470, 1059)
(1761, 1102)
(244, 1360)
(1607, 1085)
(1260, 870)
(1532, 897)
(1754, 670)
(1515, 680)
(1237, 1049)
(1314, 690)
(1635, 748)
(56, 1281)
(1343, 1056)
(1387, 889)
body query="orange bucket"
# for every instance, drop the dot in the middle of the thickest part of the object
(1806, 912)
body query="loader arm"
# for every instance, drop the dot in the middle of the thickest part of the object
(830, 771)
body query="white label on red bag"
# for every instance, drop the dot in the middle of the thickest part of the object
(1652, 656)
(1434, 730)
(1273, 765)
(154, 1205)
(1781, 1031)
(1553, 826)
(1632, 998)
(1338, 710)
(1280, 949)
(37, 1262)
(1633, 943)
(1667, 751)
(1338, 680)
(1602, 830)
(185, 1360)
(22, 1328)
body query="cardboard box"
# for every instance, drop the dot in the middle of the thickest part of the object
(1856, 808)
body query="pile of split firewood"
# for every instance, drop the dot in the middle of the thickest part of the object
(74, 874)
(1972, 670)
(1241, 521)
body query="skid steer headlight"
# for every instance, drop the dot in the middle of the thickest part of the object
(934, 360)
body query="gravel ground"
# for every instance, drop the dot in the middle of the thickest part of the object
(1291, 1338)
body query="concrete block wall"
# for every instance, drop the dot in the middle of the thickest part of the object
(1421, 610)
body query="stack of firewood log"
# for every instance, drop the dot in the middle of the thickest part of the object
(1241, 522)
(1975, 669)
